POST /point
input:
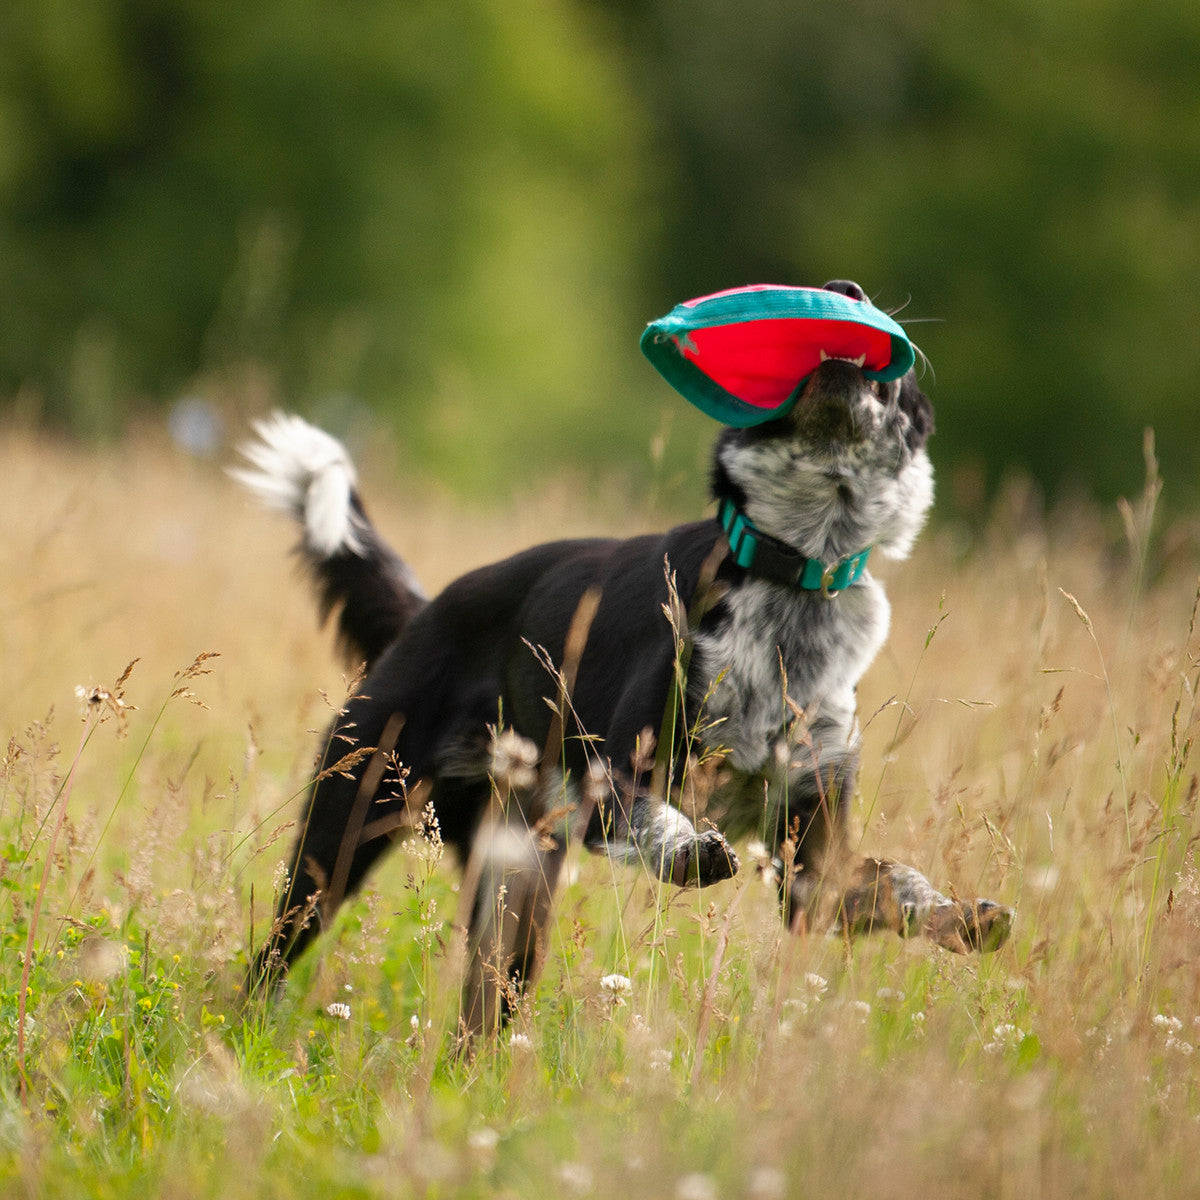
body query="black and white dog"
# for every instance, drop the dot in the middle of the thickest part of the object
(633, 667)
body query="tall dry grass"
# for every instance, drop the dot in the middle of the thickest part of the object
(1028, 736)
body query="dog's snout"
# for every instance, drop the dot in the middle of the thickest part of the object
(833, 404)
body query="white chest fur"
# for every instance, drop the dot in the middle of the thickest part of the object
(770, 634)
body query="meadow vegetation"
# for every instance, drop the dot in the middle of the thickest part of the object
(1028, 736)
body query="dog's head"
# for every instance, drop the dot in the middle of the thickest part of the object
(846, 467)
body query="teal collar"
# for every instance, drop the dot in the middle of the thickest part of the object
(767, 557)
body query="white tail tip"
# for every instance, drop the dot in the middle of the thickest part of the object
(300, 469)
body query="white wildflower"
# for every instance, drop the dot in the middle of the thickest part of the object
(815, 987)
(696, 1187)
(426, 844)
(617, 986)
(660, 1059)
(519, 1043)
(514, 760)
(1172, 1026)
(338, 1011)
(767, 1183)
(1005, 1037)
(576, 1178)
(484, 1140)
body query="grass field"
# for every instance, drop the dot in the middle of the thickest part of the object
(1028, 737)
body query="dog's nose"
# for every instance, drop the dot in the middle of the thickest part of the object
(847, 287)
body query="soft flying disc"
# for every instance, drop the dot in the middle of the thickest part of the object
(741, 355)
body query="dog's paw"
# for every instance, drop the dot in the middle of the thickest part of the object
(964, 926)
(707, 858)
(989, 925)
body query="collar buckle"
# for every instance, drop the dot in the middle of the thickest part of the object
(827, 578)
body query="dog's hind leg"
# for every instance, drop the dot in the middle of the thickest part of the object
(357, 801)
(513, 876)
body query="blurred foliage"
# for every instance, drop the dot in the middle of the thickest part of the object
(425, 205)
(1027, 174)
(460, 214)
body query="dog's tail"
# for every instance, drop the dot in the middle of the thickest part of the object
(295, 467)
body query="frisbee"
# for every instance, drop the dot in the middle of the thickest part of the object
(743, 355)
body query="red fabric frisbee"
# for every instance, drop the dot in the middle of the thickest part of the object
(742, 355)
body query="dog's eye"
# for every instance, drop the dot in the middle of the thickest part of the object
(885, 393)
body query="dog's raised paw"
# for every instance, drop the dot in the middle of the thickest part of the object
(707, 858)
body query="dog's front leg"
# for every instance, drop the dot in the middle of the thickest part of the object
(657, 835)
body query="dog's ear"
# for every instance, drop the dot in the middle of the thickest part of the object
(919, 409)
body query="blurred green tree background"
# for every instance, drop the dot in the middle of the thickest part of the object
(455, 216)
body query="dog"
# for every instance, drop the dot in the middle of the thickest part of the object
(577, 688)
